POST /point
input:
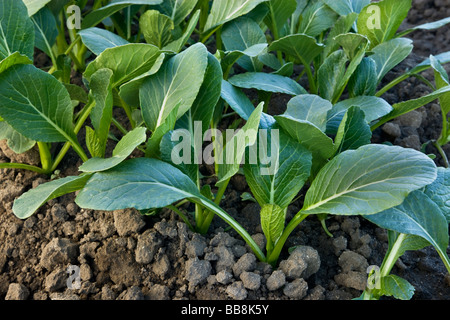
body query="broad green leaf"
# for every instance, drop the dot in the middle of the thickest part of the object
(33, 6)
(272, 223)
(410, 105)
(101, 114)
(241, 34)
(127, 61)
(177, 10)
(399, 288)
(15, 58)
(353, 132)
(123, 149)
(77, 93)
(145, 183)
(343, 25)
(426, 26)
(267, 82)
(331, 73)
(45, 30)
(364, 81)
(16, 142)
(237, 100)
(300, 46)
(309, 107)
(368, 180)
(29, 202)
(233, 151)
(129, 91)
(36, 104)
(177, 45)
(156, 27)
(16, 30)
(98, 40)
(281, 169)
(98, 15)
(178, 80)
(373, 107)
(439, 191)
(223, 11)
(351, 43)
(279, 13)
(420, 216)
(410, 242)
(389, 54)
(141, 183)
(316, 18)
(380, 21)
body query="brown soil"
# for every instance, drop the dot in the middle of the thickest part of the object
(124, 255)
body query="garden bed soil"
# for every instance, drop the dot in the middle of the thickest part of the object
(124, 255)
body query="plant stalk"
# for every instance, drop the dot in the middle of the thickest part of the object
(45, 156)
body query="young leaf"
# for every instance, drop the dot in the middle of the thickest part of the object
(389, 54)
(353, 132)
(267, 82)
(368, 180)
(272, 223)
(439, 191)
(98, 40)
(29, 202)
(156, 27)
(417, 215)
(331, 73)
(300, 46)
(126, 61)
(36, 105)
(98, 15)
(441, 80)
(380, 21)
(16, 142)
(223, 11)
(282, 168)
(241, 34)
(394, 286)
(101, 114)
(233, 152)
(364, 81)
(179, 79)
(177, 45)
(123, 149)
(16, 30)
